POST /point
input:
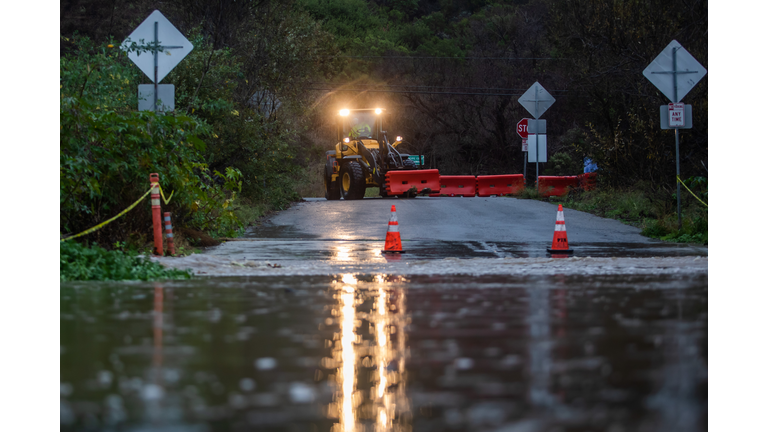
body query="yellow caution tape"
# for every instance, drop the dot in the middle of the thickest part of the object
(90, 230)
(162, 195)
(694, 195)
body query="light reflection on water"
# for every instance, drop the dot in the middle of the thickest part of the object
(342, 253)
(371, 372)
(357, 252)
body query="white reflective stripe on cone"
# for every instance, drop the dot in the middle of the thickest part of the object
(560, 217)
(155, 201)
(560, 227)
(393, 218)
(169, 235)
(394, 228)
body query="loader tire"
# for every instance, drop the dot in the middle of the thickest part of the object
(332, 192)
(352, 182)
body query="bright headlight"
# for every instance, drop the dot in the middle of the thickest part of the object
(378, 110)
(344, 112)
(346, 140)
(399, 138)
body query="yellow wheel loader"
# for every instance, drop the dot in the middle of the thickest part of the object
(364, 158)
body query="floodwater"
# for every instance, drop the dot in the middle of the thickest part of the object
(370, 250)
(379, 352)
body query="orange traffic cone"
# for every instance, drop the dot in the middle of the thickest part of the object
(560, 239)
(393, 244)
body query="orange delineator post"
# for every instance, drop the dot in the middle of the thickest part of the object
(169, 233)
(393, 244)
(560, 239)
(157, 226)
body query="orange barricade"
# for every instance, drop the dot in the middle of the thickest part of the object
(500, 184)
(400, 182)
(587, 181)
(556, 185)
(457, 186)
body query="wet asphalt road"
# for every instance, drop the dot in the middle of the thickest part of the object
(479, 331)
(448, 219)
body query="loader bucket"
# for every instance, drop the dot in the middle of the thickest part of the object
(400, 182)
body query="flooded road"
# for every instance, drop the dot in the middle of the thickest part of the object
(377, 352)
(303, 324)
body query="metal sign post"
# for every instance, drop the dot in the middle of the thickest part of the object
(155, 49)
(522, 130)
(536, 100)
(536, 137)
(525, 157)
(656, 72)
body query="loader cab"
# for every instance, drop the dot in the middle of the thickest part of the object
(360, 124)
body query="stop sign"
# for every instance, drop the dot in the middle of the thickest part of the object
(522, 128)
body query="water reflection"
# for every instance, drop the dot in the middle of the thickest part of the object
(342, 253)
(539, 352)
(348, 358)
(371, 352)
(157, 330)
(330, 353)
(358, 252)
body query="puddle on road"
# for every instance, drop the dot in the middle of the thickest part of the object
(381, 353)
(270, 230)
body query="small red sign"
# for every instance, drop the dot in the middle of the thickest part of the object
(676, 115)
(522, 128)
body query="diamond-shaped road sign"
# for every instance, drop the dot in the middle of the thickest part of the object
(674, 70)
(536, 100)
(173, 46)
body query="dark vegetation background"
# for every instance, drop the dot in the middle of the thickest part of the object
(257, 98)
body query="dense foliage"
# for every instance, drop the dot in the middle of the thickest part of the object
(79, 262)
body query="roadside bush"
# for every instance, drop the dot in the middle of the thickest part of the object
(694, 229)
(108, 149)
(210, 158)
(562, 164)
(655, 229)
(655, 212)
(529, 192)
(310, 181)
(78, 262)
